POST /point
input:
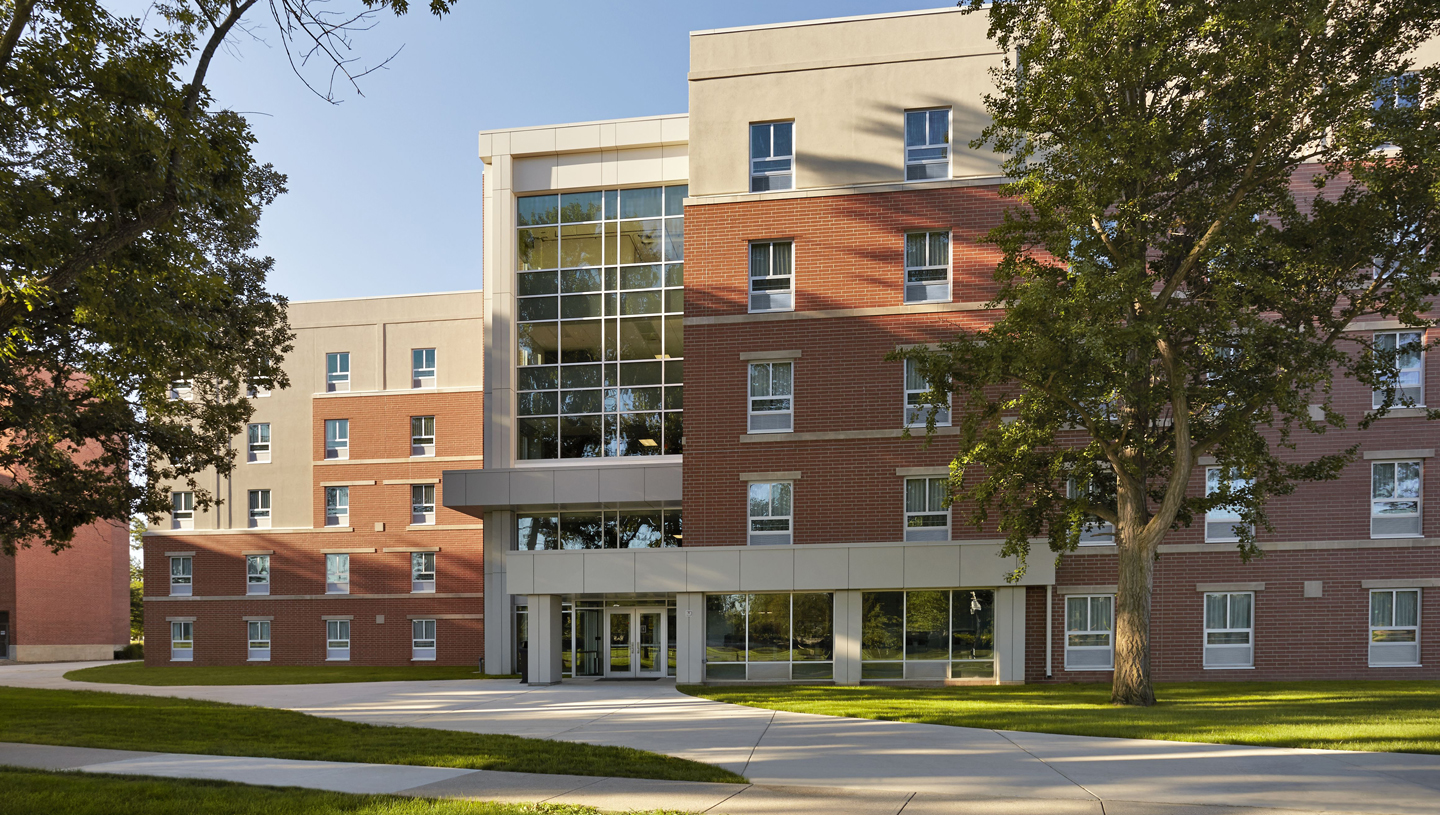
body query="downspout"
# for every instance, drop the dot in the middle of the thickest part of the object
(1049, 624)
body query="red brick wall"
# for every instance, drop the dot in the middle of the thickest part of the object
(80, 596)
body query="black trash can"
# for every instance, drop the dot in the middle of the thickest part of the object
(524, 664)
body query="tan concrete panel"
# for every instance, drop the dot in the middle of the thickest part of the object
(932, 567)
(877, 567)
(640, 166)
(819, 567)
(578, 486)
(660, 569)
(609, 571)
(767, 568)
(519, 573)
(579, 137)
(539, 140)
(534, 174)
(558, 573)
(622, 485)
(580, 170)
(712, 571)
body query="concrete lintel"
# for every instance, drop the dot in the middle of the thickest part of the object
(1106, 589)
(1427, 452)
(1402, 583)
(1229, 586)
(746, 356)
(787, 475)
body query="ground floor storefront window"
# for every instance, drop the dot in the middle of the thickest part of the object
(946, 634)
(770, 636)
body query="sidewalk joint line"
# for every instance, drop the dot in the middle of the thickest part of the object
(751, 757)
(568, 792)
(1052, 768)
(742, 787)
(908, 799)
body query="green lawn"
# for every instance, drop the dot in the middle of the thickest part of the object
(34, 792)
(170, 725)
(136, 673)
(1378, 716)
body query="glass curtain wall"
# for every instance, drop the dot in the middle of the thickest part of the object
(609, 529)
(770, 636)
(928, 634)
(600, 297)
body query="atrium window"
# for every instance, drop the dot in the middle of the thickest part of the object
(608, 529)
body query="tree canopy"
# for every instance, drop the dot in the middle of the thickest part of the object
(1208, 196)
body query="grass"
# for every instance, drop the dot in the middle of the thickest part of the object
(135, 673)
(170, 725)
(1374, 715)
(36, 792)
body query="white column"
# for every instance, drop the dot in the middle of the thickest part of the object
(546, 627)
(499, 617)
(690, 638)
(849, 619)
(1010, 635)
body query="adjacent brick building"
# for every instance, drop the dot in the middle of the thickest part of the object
(40, 620)
(331, 544)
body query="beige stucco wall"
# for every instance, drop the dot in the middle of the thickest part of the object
(846, 84)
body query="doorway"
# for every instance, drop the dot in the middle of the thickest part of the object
(635, 642)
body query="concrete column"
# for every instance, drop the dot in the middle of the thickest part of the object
(1010, 635)
(849, 619)
(546, 627)
(499, 621)
(690, 638)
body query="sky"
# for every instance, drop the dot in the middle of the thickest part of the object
(385, 187)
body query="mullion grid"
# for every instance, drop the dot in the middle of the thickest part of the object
(650, 405)
(792, 661)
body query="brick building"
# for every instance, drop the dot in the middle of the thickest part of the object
(331, 544)
(818, 207)
(39, 620)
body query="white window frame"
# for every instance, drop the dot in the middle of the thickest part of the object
(770, 493)
(182, 641)
(337, 506)
(1227, 630)
(259, 509)
(775, 299)
(182, 510)
(422, 572)
(337, 565)
(1222, 515)
(927, 291)
(337, 640)
(1415, 373)
(927, 486)
(257, 574)
(1378, 501)
(182, 576)
(771, 179)
(917, 412)
(337, 371)
(423, 640)
(1089, 631)
(422, 504)
(422, 444)
(337, 439)
(257, 634)
(422, 367)
(257, 443)
(181, 389)
(1386, 646)
(919, 158)
(766, 419)
(1096, 531)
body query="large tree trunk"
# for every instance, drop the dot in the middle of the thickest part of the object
(1131, 685)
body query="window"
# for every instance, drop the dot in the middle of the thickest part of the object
(927, 267)
(259, 509)
(422, 504)
(772, 278)
(1089, 621)
(926, 516)
(182, 510)
(770, 513)
(1095, 531)
(422, 572)
(182, 642)
(259, 637)
(181, 579)
(1395, 499)
(422, 435)
(337, 506)
(917, 410)
(337, 640)
(771, 405)
(1404, 349)
(772, 156)
(610, 529)
(1230, 630)
(927, 144)
(933, 635)
(1222, 524)
(1395, 627)
(422, 639)
(337, 438)
(181, 388)
(601, 335)
(337, 372)
(422, 368)
(770, 636)
(1401, 91)
(257, 574)
(258, 443)
(337, 574)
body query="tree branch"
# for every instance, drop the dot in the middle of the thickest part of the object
(24, 9)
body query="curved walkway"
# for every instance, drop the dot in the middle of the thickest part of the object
(912, 761)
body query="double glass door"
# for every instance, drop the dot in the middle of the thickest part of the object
(636, 642)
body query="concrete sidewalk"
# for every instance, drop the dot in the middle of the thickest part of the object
(607, 794)
(867, 758)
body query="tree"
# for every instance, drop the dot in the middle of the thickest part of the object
(133, 313)
(1208, 195)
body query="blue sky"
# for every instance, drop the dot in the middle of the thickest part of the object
(385, 188)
